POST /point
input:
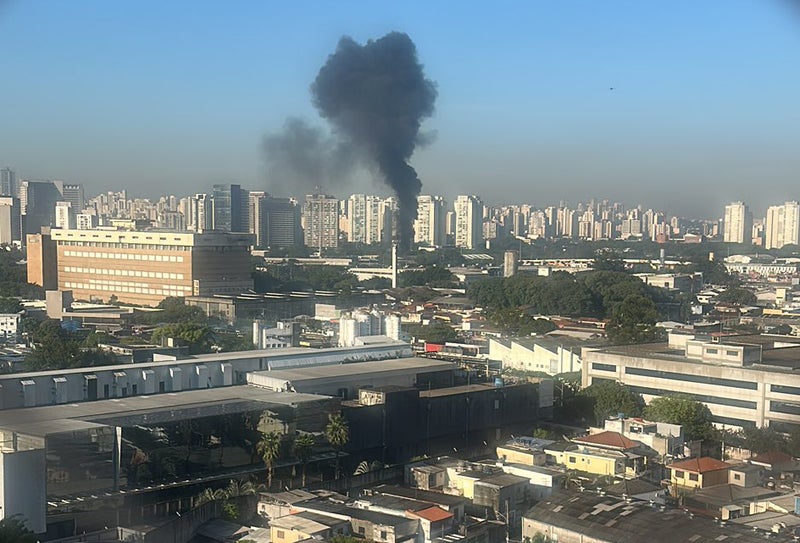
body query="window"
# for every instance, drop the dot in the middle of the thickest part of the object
(496, 405)
(712, 351)
(679, 474)
(571, 459)
(674, 376)
(737, 476)
(732, 353)
(280, 534)
(134, 389)
(383, 535)
(361, 530)
(693, 477)
(603, 367)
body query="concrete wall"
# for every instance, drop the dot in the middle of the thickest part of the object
(22, 487)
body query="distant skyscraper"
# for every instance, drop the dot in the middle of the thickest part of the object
(782, 225)
(388, 220)
(429, 228)
(201, 213)
(321, 221)
(274, 221)
(10, 222)
(72, 193)
(230, 205)
(364, 219)
(738, 225)
(64, 215)
(37, 203)
(8, 182)
(469, 221)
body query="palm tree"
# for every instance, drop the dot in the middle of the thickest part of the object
(269, 447)
(338, 434)
(303, 447)
(237, 488)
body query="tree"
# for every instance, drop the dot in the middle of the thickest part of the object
(303, 448)
(57, 348)
(269, 447)
(694, 416)
(197, 336)
(435, 332)
(610, 398)
(9, 305)
(337, 432)
(737, 295)
(14, 530)
(634, 321)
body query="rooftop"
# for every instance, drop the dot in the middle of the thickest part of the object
(418, 494)
(607, 439)
(54, 419)
(433, 514)
(357, 368)
(701, 465)
(611, 519)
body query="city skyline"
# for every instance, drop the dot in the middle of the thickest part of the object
(680, 105)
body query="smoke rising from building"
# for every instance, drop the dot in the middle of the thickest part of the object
(375, 96)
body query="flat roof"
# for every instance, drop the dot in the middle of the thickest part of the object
(268, 354)
(54, 419)
(355, 368)
(464, 389)
(608, 518)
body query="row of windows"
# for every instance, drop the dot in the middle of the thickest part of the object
(703, 379)
(124, 256)
(784, 407)
(727, 353)
(784, 389)
(603, 367)
(114, 245)
(125, 273)
(732, 402)
(169, 290)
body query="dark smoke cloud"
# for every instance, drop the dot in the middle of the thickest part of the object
(376, 96)
(303, 157)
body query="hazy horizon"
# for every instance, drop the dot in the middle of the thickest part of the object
(680, 107)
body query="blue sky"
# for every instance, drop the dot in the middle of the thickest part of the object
(170, 97)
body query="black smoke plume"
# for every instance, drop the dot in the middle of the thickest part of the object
(302, 158)
(376, 97)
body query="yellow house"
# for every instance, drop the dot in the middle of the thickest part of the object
(604, 453)
(698, 473)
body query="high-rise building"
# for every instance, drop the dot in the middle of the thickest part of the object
(364, 219)
(37, 204)
(64, 215)
(201, 213)
(782, 225)
(230, 204)
(738, 223)
(10, 220)
(72, 193)
(469, 221)
(429, 227)
(145, 266)
(321, 221)
(388, 211)
(275, 222)
(8, 182)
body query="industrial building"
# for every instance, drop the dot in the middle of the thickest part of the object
(143, 266)
(744, 380)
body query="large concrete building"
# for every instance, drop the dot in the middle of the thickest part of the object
(738, 223)
(429, 227)
(144, 267)
(744, 380)
(469, 222)
(10, 220)
(321, 221)
(782, 225)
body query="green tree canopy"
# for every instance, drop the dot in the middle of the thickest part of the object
(435, 332)
(432, 276)
(694, 416)
(14, 530)
(269, 447)
(57, 348)
(610, 398)
(634, 321)
(197, 336)
(303, 449)
(337, 432)
(738, 295)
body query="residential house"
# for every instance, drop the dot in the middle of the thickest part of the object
(696, 473)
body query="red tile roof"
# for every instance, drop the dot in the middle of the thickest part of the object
(701, 465)
(607, 439)
(433, 514)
